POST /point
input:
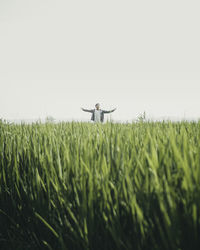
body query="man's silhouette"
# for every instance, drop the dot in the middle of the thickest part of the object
(97, 113)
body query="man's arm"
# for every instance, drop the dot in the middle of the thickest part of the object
(87, 110)
(108, 111)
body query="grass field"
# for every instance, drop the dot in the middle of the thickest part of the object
(100, 186)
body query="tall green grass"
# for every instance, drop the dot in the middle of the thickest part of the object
(100, 186)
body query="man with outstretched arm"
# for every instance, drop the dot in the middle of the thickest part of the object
(97, 113)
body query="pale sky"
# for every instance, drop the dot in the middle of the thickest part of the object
(57, 56)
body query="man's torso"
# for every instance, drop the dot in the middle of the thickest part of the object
(97, 115)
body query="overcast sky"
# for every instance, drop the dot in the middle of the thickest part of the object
(57, 56)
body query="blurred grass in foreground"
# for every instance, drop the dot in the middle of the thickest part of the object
(100, 186)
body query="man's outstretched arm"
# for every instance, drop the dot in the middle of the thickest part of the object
(109, 111)
(87, 110)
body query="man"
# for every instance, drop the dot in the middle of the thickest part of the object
(97, 113)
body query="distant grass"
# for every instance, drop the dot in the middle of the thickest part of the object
(100, 186)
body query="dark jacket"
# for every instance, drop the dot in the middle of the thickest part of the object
(102, 113)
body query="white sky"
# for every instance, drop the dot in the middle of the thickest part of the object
(57, 56)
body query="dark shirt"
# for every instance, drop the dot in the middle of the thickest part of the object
(102, 113)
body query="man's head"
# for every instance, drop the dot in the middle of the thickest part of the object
(97, 106)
